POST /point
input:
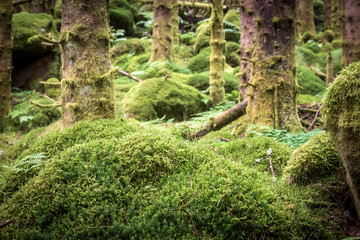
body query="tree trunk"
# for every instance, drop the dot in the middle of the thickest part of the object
(164, 27)
(351, 51)
(329, 70)
(217, 58)
(306, 17)
(87, 83)
(6, 8)
(246, 46)
(337, 18)
(327, 14)
(272, 95)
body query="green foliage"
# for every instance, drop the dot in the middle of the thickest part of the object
(117, 36)
(307, 99)
(122, 18)
(232, 57)
(232, 26)
(26, 115)
(290, 139)
(202, 36)
(200, 62)
(157, 97)
(313, 161)
(144, 23)
(201, 81)
(309, 82)
(53, 91)
(187, 38)
(341, 103)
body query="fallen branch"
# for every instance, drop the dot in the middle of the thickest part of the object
(221, 120)
(129, 76)
(55, 105)
(7, 222)
(21, 2)
(316, 115)
(194, 4)
(192, 222)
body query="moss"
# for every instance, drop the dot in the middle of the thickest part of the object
(187, 38)
(231, 54)
(337, 43)
(156, 98)
(26, 25)
(328, 36)
(200, 81)
(312, 162)
(133, 46)
(307, 99)
(309, 82)
(122, 18)
(327, 47)
(199, 63)
(306, 37)
(58, 9)
(233, 17)
(52, 90)
(202, 36)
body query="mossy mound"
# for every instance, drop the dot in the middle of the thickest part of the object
(202, 36)
(303, 99)
(200, 81)
(133, 45)
(328, 36)
(232, 26)
(53, 88)
(52, 144)
(200, 62)
(252, 151)
(341, 108)
(156, 98)
(151, 186)
(313, 161)
(309, 82)
(27, 25)
(231, 54)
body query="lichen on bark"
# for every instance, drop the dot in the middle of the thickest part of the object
(272, 95)
(164, 28)
(6, 8)
(246, 46)
(217, 58)
(306, 17)
(337, 18)
(351, 41)
(87, 89)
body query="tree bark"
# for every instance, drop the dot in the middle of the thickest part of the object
(306, 17)
(337, 18)
(165, 12)
(217, 58)
(221, 120)
(351, 50)
(329, 69)
(6, 8)
(272, 95)
(87, 82)
(327, 14)
(246, 46)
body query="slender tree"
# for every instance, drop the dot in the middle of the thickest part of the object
(337, 18)
(87, 83)
(329, 69)
(306, 17)
(246, 45)
(164, 28)
(272, 95)
(351, 50)
(217, 58)
(327, 14)
(6, 8)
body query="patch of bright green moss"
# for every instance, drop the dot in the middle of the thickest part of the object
(156, 98)
(232, 57)
(201, 81)
(200, 62)
(202, 36)
(53, 91)
(309, 82)
(307, 99)
(133, 45)
(313, 161)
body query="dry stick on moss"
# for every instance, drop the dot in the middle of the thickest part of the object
(55, 105)
(221, 120)
(316, 115)
(217, 205)
(129, 76)
(7, 222)
(47, 97)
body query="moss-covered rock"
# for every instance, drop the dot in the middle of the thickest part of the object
(328, 36)
(53, 88)
(200, 62)
(341, 108)
(156, 98)
(133, 45)
(201, 81)
(313, 161)
(27, 25)
(202, 36)
(309, 82)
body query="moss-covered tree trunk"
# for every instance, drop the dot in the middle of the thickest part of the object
(272, 95)
(351, 50)
(306, 17)
(327, 14)
(6, 8)
(165, 19)
(329, 69)
(246, 46)
(337, 18)
(86, 85)
(217, 57)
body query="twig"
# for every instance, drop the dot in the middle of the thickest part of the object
(271, 166)
(7, 222)
(192, 222)
(224, 139)
(217, 205)
(55, 105)
(129, 76)
(192, 192)
(47, 97)
(316, 115)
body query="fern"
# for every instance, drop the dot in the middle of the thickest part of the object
(29, 162)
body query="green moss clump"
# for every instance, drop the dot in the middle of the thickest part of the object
(187, 38)
(337, 43)
(307, 99)
(328, 36)
(27, 25)
(306, 37)
(232, 57)
(309, 82)
(156, 98)
(51, 90)
(249, 149)
(200, 81)
(202, 36)
(133, 45)
(327, 47)
(313, 161)
(200, 62)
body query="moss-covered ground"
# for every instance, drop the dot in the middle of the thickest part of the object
(143, 179)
